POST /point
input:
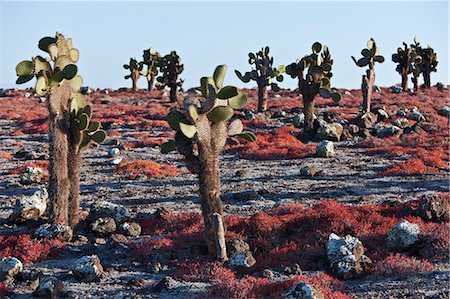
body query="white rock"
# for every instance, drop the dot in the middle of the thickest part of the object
(331, 132)
(49, 287)
(116, 161)
(325, 149)
(10, 266)
(108, 209)
(400, 122)
(31, 175)
(58, 231)
(30, 207)
(403, 235)
(88, 268)
(388, 131)
(299, 120)
(113, 152)
(242, 259)
(303, 290)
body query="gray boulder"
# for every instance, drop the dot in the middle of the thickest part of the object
(325, 149)
(403, 235)
(88, 268)
(303, 290)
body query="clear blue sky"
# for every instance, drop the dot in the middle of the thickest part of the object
(206, 34)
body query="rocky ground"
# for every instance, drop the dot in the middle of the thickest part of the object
(351, 177)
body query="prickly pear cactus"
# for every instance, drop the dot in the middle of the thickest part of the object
(150, 59)
(314, 73)
(136, 69)
(70, 126)
(370, 56)
(263, 73)
(170, 67)
(426, 64)
(207, 125)
(407, 61)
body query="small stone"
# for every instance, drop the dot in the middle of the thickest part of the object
(113, 152)
(267, 273)
(402, 112)
(308, 171)
(367, 120)
(299, 120)
(119, 238)
(58, 232)
(433, 207)
(103, 226)
(31, 175)
(293, 270)
(416, 115)
(100, 241)
(353, 129)
(49, 287)
(439, 86)
(88, 269)
(116, 161)
(165, 283)
(241, 173)
(325, 149)
(444, 111)
(108, 209)
(331, 132)
(303, 290)
(244, 195)
(403, 235)
(130, 229)
(240, 255)
(163, 213)
(136, 283)
(279, 114)
(389, 131)
(10, 266)
(396, 89)
(400, 122)
(30, 207)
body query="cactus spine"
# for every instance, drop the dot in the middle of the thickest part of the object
(135, 68)
(370, 56)
(170, 67)
(205, 124)
(70, 127)
(263, 74)
(150, 59)
(318, 67)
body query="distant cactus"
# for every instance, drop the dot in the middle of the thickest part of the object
(70, 127)
(316, 80)
(427, 63)
(150, 59)
(408, 60)
(370, 56)
(135, 68)
(263, 74)
(205, 124)
(170, 67)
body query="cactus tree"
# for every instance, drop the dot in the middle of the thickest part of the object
(315, 81)
(370, 56)
(407, 60)
(263, 74)
(150, 59)
(206, 125)
(427, 62)
(170, 67)
(70, 127)
(135, 68)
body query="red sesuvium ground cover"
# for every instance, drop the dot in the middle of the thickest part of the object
(26, 249)
(294, 233)
(147, 168)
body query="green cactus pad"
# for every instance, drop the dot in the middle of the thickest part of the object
(74, 107)
(193, 114)
(88, 110)
(74, 55)
(62, 62)
(188, 130)
(41, 86)
(238, 101)
(45, 42)
(325, 82)
(25, 68)
(85, 140)
(326, 67)
(370, 43)
(70, 71)
(76, 83)
(236, 127)
(83, 122)
(365, 52)
(23, 79)
(219, 75)
(173, 118)
(280, 78)
(325, 93)
(316, 47)
(220, 113)
(378, 58)
(41, 65)
(207, 86)
(99, 136)
(245, 78)
(94, 126)
(79, 98)
(249, 136)
(53, 51)
(69, 43)
(227, 92)
(168, 147)
(336, 97)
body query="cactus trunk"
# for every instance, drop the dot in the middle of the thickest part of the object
(74, 171)
(367, 89)
(426, 79)
(262, 98)
(173, 95)
(308, 110)
(151, 81)
(404, 80)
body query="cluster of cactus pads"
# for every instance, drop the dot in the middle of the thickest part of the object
(150, 58)
(170, 67)
(370, 55)
(416, 60)
(136, 69)
(263, 74)
(205, 124)
(314, 73)
(70, 126)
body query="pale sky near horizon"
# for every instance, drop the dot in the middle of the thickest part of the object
(209, 33)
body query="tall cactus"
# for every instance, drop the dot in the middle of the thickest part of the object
(170, 67)
(70, 127)
(263, 74)
(135, 68)
(370, 56)
(205, 124)
(407, 60)
(427, 63)
(150, 59)
(316, 80)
